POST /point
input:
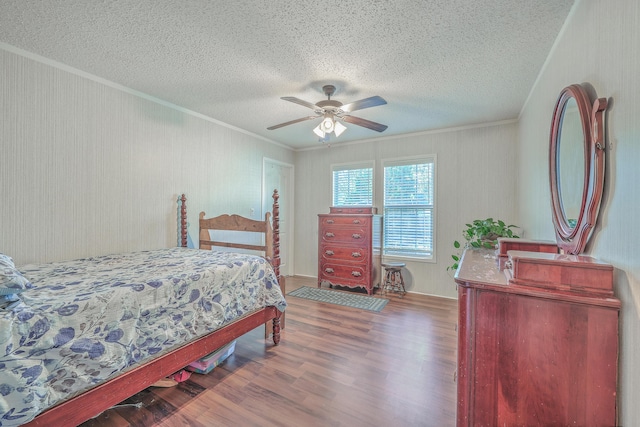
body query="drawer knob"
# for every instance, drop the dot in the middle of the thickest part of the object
(356, 221)
(329, 234)
(328, 270)
(356, 236)
(330, 221)
(356, 254)
(356, 274)
(328, 252)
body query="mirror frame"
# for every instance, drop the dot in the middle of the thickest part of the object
(572, 240)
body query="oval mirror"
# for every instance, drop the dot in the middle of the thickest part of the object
(576, 166)
(570, 168)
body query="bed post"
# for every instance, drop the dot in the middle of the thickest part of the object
(183, 221)
(274, 260)
(278, 321)
(276, 234)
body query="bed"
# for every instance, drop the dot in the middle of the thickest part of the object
(86, 334)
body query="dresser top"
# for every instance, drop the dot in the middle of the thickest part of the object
(353, 210)
(480, 266)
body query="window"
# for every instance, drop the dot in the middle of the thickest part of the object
(409, 207)
(353, 185)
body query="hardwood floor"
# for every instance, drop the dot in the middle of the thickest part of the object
(335, 366)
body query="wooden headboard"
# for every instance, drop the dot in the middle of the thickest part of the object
(270, 229)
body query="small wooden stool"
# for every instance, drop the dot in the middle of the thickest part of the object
(393, 280)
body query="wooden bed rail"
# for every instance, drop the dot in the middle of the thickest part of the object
(96, 400)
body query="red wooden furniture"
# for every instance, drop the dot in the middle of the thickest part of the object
(349, 242)
(517, 244)
(571, 236)
(538, 329)
(96, 400)
(539, 344)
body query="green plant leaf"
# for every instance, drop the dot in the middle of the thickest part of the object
(482, 233)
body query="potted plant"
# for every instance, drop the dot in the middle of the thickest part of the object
(482, 233)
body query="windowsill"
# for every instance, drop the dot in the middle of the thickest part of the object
(407, 259)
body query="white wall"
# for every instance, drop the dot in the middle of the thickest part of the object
(600, 45)
(475, 170)
(87, 168)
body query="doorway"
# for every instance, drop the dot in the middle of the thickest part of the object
(279, 175)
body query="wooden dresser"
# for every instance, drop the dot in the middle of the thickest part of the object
(349, 247)
(538, 341)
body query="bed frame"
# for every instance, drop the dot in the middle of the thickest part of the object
(271, 248)
(98, 399)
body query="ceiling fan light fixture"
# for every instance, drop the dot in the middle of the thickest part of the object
(333, 112)
(327, 124)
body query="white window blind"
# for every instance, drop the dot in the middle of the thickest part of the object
(352, 185)
(409, 207)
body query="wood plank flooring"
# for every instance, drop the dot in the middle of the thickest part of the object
(335, 366)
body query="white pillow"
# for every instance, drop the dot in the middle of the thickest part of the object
(10, 277)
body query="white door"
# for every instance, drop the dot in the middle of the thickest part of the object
(278, 175)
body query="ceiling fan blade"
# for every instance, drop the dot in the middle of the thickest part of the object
(363, 103)
(364, 123)
(300, 102)
(292, 122)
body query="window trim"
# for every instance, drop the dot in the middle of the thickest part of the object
(408, 160)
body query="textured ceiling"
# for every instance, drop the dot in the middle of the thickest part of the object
(438, 63)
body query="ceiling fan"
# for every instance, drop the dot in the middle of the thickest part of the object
(333, 112)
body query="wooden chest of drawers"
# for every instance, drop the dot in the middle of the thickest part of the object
(349, 247)
(536, 349)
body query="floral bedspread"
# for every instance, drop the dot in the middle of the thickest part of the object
(87, 320)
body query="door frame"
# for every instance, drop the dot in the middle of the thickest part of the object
(289, 194)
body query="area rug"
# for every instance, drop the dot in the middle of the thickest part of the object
(340, 298)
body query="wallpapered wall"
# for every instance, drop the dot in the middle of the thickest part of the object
(475, 179)
(600, 46)
(87, 168)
